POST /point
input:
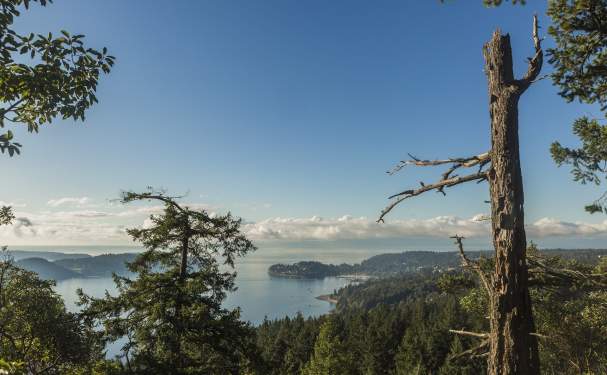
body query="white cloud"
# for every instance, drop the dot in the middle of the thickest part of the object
(349, 228)
(549, 227)
(105, 225)
(68, 201)
(102, 225)
(13, 204)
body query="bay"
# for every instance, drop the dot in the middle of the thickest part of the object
(258, 295)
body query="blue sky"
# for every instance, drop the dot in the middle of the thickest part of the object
(288, 113)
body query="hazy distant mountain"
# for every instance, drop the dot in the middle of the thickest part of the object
(48, 255)
(69, 266)
(47, 270)
(98, 266)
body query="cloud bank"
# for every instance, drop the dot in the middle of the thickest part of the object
(348, 228)
(83, 225)
(68, 201)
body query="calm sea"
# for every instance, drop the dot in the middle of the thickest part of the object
(258, 295)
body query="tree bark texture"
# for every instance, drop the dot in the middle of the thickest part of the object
(512, 349)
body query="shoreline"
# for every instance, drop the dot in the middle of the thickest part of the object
(328, 298)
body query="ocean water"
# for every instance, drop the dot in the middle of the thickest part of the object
(258, 295)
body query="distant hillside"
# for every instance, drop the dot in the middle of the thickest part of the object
(46, 270)
(308, 270)
(98, 266)
(87, 266)
(48, 255)
(408, 262)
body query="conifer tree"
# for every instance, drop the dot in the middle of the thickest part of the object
(171, 313)
(330, 355)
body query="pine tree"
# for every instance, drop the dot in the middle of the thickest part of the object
(171, 313)
(330, 354)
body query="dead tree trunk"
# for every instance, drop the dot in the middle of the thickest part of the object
(512, 349)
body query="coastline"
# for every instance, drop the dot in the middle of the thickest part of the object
(328, 298)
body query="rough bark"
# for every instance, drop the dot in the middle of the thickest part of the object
(512, 349)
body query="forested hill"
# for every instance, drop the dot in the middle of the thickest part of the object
(80, 266)
(408, 262)
(401, 325)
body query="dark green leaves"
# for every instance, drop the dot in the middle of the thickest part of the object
(60, 81)
(7, 146)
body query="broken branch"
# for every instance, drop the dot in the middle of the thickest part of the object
(535, 63)
(472, 264)
(468, 333)
(458, 162)
(439, 186)
(471, 351)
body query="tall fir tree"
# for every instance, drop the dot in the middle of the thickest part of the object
(171, 313)
(330, 355)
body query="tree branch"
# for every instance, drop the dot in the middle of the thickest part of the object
(448, 179)
(458, 162)
(471, 351)
(439, 186)
(468, 333)
(535, 64)
(472, 264)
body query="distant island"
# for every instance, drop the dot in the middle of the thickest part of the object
(378, 265)
(62, 266)
(393, 264)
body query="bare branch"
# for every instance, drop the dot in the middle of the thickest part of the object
(559, 275)
(472, 264)
(439, 186)
(468, 333)
(448, 179)
(472, 351)
(535, 63)
(460, 162)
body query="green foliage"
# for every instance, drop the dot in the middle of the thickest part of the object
(589, 160)
(387, 338)
(580, 71)
(59, 81)
(389, 291)
(10, 368)
(426, 345)
(580, 55)
(37, 334)
(570, 305)
(171, 313)
(285, 345)
(330, 356)
(6, 215)
(569, 310)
